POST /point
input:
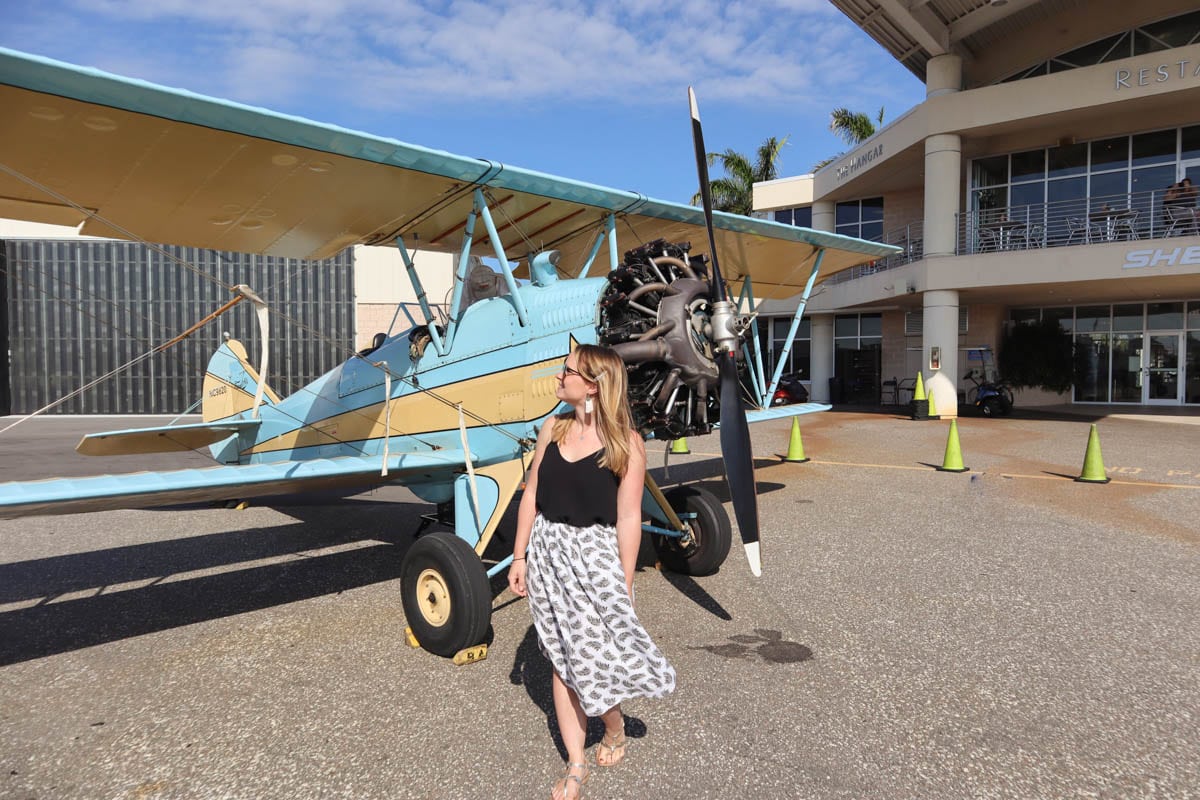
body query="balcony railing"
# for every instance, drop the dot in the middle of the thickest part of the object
(1092, 220)
(910, 240)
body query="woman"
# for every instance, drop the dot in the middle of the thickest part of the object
(579, 529)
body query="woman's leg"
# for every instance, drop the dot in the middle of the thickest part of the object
(572, 726)
(612, 747)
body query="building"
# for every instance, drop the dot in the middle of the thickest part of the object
(1031, 184)
(79, 311)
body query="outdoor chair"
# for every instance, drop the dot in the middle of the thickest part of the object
(1181, 221)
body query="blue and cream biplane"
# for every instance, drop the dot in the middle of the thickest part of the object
(449, 407)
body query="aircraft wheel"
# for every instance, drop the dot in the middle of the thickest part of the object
(446, 595)
(711, 533)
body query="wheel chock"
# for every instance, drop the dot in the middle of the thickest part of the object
(679, 447)
(470, 655)
(410, 638)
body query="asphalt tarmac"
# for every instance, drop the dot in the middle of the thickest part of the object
(1001, 633)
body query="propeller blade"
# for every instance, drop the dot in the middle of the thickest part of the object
(739, 461)
(735, 432)
(716, 284)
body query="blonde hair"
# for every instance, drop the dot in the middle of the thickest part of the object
(604, 368)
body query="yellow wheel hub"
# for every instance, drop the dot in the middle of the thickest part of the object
(433, 597)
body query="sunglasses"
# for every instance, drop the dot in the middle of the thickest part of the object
(568, 371)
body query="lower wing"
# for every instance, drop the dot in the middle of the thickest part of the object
(148, 489)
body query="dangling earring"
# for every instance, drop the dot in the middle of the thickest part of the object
(587, 405)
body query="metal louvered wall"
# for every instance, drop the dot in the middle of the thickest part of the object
(79, 309)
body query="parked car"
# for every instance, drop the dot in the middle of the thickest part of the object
(790, 390)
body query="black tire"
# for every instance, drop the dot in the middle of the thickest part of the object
(446, 594)
(992, 407)
(711, 533)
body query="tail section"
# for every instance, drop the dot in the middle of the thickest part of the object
(230, 383)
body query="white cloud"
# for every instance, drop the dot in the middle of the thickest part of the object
(389, 54)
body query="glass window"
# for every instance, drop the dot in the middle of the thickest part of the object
(1068, 160)
(1089, 319)
(802, 217)
(1177, 31)
(1154, 148)
(872, 231)
(1190, 140)
(1110, 153)
(1109, 188)
(1193, 315)
(989, 171)
(1127, 317)
(1191, 389)
(1127, 368)
(872, 209)
(1030, 165)
(871, 325)
(784, 216)
(845, 325)
(846, 213)
(1143, 44)
(1065, 317)
(1092, 54)
(1024, 195)
(1025, 316)
(1121, 48)
(1164, 316)
(1091, 368)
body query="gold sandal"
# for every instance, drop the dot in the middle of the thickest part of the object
(615, 747)
(561, 784)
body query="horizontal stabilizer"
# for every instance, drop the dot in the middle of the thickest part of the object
(168, 439)
(148, 489)
(783, 412)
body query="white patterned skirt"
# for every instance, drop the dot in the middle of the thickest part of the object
(585, 620)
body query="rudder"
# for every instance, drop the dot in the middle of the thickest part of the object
(230, 383)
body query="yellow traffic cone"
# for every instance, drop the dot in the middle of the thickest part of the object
(679, 447)
(795, 452)
(1093, 462)
(919, 389)
(952, 462)
(932, 405)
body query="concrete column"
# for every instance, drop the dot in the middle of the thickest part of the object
(943, 185)
(820, 357)
(822, 212)
(943, 75)
(941, 330)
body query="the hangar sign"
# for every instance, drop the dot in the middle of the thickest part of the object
(1162, 257)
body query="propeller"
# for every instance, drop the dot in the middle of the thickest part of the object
(735, 431)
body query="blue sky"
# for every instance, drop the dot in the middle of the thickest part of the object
(589, 90)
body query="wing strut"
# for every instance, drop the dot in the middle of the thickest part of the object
(787, 345)
(422, 299)
(505, 267)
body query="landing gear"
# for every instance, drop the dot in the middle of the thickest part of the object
(446, 595)
(704, 550)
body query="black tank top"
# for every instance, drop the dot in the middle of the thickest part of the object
(579, 493)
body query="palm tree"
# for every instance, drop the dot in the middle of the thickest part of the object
(852, 127)
(735, 192)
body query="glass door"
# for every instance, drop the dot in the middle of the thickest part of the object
(1161, 363)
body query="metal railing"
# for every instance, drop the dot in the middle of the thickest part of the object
(1090, 220)
(909, 238)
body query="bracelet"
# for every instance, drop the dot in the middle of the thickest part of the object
(522, 558)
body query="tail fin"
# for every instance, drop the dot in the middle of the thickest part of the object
(230, 383)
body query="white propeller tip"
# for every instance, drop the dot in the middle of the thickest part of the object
(755, 558)
(692, 103)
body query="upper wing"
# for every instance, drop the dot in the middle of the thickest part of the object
(135, 160)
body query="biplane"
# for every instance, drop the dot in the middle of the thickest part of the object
(448, 406)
